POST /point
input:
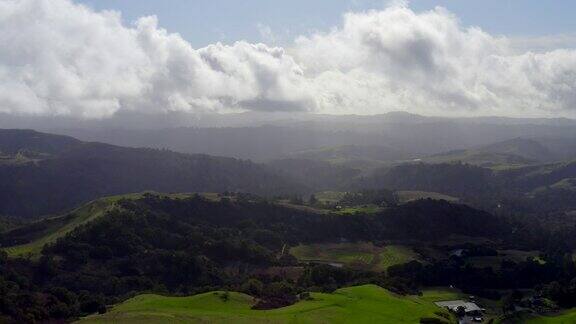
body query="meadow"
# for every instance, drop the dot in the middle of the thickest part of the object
(360, 304)
(363, 209)
(407, 196)
(566, 317)
(362, 255)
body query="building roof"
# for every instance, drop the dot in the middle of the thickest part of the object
(454, 304)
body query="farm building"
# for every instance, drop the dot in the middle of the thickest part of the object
(470, 308)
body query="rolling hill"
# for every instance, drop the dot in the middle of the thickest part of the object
(546, 175)
(511, 153)
(263, 136)
(363, 157)
(360, 304)
(316, 174)
(461, 179)
(480, 158)
(66, 172)
(534, 189)
(29, 239)
(184, 244)
(455, 179)
(435, 219)
(530, 149)
(14, 141)
(566, 317)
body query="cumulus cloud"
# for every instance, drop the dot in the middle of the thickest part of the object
(63, 58)
(428, 62)
(59, 57)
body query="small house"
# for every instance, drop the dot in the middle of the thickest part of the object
(470, 308)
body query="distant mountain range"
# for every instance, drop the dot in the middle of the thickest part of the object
(513, 152)
(267, 136)
(43, 173)
(58, 172)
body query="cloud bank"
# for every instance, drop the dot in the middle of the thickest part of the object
(62, 58)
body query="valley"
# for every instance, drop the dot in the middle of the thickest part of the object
(314, 234)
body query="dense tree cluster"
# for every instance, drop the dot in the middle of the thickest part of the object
(380, 197)
(88, 171)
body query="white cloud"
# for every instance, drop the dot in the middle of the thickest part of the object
(428, 63)
(66, 59)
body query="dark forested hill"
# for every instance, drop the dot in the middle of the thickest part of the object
(70, 172)
(456, 179)
(14, 141)
(425, 220)
(319, 175)
(531, 189)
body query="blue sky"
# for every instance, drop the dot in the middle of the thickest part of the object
(203, 22)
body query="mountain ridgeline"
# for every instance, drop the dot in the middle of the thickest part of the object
(45, 174)
(262, 136)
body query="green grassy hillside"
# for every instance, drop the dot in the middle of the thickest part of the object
(567, 317)
(360, 255)
(361, 304)
(406, 196)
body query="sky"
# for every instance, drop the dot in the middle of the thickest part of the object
(202, 22)
(95, 58)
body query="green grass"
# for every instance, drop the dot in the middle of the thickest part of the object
(361, 304)
(566, 317)
(365, 209)
(361, 255)
(350, 254)
(330, 197)
(396, 254)
(406, 196)
(568, 184)
(58, 229)
(441, 294)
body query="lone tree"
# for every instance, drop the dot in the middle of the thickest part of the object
(225, 296)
